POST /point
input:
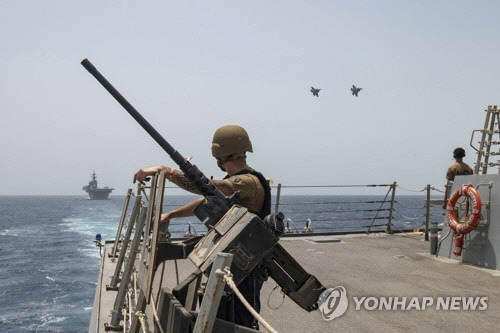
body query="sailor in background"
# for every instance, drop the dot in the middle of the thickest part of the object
(229, 146)
(456, 169)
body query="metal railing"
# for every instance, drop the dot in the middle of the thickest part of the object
(376, 212)
(428, 216)
(337, 213)
(374, 207)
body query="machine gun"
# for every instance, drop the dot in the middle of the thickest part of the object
(232, 229)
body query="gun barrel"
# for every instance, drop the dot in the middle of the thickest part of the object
(176, 156)
(196, 177)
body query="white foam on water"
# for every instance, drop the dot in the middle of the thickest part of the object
(8, 232)
(90, 226)
(50, 278)
(48, 320)
(113, 217)
(92, 252)
(59, 297)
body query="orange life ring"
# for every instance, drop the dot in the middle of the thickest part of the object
(468, 226)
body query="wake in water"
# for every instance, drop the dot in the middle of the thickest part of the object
(51, 261)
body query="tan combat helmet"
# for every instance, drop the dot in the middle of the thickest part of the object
(230, 139)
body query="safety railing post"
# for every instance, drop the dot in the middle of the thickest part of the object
(278, 194)
(120, 225)
(116, 314)
(121, 257)
(427, 211)
(213, 293)
(389, 224)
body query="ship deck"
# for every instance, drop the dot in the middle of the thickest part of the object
(375, 265)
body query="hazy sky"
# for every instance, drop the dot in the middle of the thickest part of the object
(428, 70)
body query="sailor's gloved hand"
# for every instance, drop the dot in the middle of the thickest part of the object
(141, 175)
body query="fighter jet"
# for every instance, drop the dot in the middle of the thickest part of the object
(355, 90)
(315, 91)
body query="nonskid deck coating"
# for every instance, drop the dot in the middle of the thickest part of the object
(386, 265)
(377, 265)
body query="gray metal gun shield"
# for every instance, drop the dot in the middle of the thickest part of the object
(241, 233)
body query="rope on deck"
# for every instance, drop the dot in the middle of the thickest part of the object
(155, 314)
(124, 314)
(140, 315)
(129, 305)
(228, 278)
(135, 284)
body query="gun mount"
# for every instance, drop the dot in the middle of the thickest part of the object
(232, 229)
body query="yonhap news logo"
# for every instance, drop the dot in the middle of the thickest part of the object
(333, 303)
(397, 303)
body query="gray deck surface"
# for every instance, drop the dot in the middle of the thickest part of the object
(371, 265)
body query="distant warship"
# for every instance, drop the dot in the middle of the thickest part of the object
(96, 193)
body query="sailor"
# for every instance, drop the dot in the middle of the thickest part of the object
(355, 90)
(456, 169)
(229, 146)
(315, 91)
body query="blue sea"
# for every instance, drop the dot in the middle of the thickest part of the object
(49, 263)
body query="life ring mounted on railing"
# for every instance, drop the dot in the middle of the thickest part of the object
(471, 193)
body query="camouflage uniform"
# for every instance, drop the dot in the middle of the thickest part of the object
(255, 195)
(251, 191)
(232, 142)
(457, 169)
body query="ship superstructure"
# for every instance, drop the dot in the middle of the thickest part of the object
(95, 192)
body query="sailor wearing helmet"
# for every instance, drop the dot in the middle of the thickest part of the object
(230, 144)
